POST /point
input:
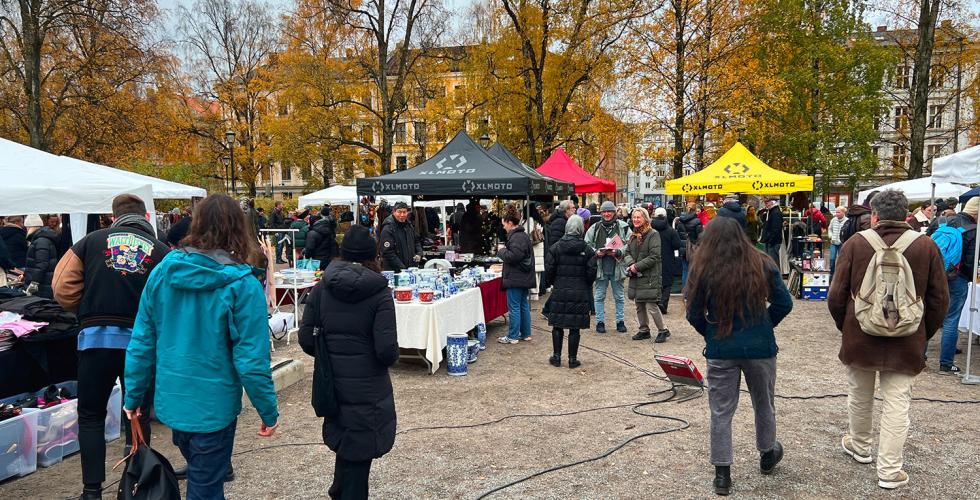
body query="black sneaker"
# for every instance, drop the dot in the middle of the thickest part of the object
(662, 336)
(949, 370)
(574, 363)
(769, 459)
(600, 327)
(621, 327)
(555, 360)
(642, 335)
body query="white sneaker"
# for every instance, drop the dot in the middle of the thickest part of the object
(507, 340)
(900, 479)
(847, 445)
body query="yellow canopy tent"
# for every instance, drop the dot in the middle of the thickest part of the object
(739, 171)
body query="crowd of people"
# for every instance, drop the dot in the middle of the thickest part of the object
(125, 283)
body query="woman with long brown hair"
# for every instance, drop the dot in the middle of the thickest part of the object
(201, 335)
(728, 286)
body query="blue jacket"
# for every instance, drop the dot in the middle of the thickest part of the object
(202, 334)
(755, 340)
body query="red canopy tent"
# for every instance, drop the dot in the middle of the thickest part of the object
(560, 166)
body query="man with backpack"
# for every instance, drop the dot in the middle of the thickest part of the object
(956, 238)
(888, 297)
(858, 218)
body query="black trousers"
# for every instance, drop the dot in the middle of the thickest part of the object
(665, 297)
(350, 480)
(557, 337)
(97, 372)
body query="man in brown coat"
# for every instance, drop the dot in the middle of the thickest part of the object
(896, 360)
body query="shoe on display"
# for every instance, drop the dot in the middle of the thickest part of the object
(848, 445)
(769, 459)
(642, 335)
(662, 336)
(621, 327)
(901, 478)
(600, 327)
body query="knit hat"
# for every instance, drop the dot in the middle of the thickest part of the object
(358, 245)
(574, 226)
(607, 206)
(660, 212)
(584, 213)
(33, 220)
(972, 206)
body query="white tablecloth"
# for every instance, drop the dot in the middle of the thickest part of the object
(427, 326)
(965, 315)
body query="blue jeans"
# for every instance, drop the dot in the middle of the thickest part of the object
(957, 297)
(518, 313)
(600, 299)
(683, 273)
(834, 249)
(208, 456)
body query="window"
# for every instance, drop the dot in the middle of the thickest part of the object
(876, 152)
(901, 117)
(934, 151)
(367, 135)
(419, 129)
(647, 185)
(900, 157)
(400, 133)
(937, 76)
(401, 162)
(287, 173)
(935, 119)
(287, 195)
(902, 76)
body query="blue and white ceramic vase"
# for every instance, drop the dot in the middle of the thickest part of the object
(472, 350)
(481, 335)
(457, 354)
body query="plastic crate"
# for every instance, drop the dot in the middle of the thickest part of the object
(18, 445)
(113, 418)
(815, 292)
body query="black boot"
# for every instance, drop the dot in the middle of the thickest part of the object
(723, 479)
(769, 459)
(662, 336)
(557, 335)
(574, 336)
(91, 493)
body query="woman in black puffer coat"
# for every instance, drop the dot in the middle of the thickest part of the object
(670, 249)
(572, 269)
(350, 330)
(42, 258)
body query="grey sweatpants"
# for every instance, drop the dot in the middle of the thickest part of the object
(724, 383)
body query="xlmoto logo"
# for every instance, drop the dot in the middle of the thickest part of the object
(687, 188)
(757, 185)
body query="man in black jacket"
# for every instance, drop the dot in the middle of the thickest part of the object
(321, 241)
(400, 247)
(102, 277)
(772, 231)
(278, 221)
(14, 234)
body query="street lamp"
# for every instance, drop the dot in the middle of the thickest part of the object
(272, 188)
(226, 161)
(485, 140)
(230, 139)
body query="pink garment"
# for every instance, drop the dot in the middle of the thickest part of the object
(22, 327)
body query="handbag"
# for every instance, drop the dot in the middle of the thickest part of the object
(148, 475)
(324, 397)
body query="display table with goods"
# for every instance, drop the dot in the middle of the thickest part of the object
(38, 343)
(431, 305)
(809, 278)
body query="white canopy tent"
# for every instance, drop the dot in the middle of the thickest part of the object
(162, 189)
(341, 195)
(963, 167)
(35, 182)
(918, 190)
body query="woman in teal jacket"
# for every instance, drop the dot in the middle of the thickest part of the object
(200, 336)
(728, 286)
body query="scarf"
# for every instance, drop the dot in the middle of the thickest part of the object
(136, 221)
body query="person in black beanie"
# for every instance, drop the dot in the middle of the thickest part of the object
(321, 240)
(350, 331)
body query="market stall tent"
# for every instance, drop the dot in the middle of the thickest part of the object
(917, 190)
(35, 182)
(503, 154)
(562, 167)
(462, 168)
(739, 171)
(162, 189)
(341, 195)
(962, 167)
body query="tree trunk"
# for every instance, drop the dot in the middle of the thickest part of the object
(679, 54)
(326, 169)
(33, 40)
(928, 12)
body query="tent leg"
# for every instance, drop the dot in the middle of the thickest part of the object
(967, 377)
(932, 197)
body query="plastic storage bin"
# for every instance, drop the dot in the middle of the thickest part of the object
(815, 292)
(113, 418)
(18, 445)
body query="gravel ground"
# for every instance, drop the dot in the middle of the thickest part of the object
(942, 452)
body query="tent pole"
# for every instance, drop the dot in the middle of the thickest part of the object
(967, 378)
(932, 197)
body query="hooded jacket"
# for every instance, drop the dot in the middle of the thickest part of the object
(670, 248)
(201, 335)
(16, 239)
(861, 217)
(734, 210)
(518, 250)
(42, 258)
(772, 231)
(353, 309)
(688, 227)
(320, 241)
(571, 268)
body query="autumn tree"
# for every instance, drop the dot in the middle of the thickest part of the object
(229, 47)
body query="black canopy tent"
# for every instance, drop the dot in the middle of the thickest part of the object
(461, 169)
(503, 154)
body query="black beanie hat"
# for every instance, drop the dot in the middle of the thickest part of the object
(358, 245)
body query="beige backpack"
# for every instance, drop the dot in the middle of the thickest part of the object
(887, 305)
